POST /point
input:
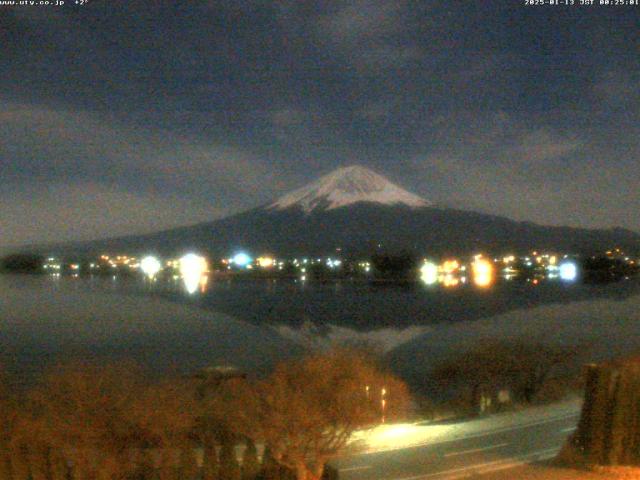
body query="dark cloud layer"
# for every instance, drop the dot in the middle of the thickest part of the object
(122, 117)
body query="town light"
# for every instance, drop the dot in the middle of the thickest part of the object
(568, 271)
(429, 273)
(482, 272)
(241, 259)
(449, 266)
(150, 266)
(192, 268)
(266, 262)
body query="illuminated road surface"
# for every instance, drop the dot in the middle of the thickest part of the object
(463, 450)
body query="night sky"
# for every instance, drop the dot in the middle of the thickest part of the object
(130, 116)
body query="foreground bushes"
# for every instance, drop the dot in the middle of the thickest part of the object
(496, 373)
(107, 422)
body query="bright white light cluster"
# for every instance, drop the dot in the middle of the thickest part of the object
(192, 268)
(429, 273)
(150, 266)
(568, 271)
(241, 259)
(482, 272)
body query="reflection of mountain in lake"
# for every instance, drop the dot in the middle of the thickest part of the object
(603, 327)
(363, 307)
(43, 320)
(314, 336)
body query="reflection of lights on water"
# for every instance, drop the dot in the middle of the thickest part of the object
(449, 280)
(568, 271)
(429, 273)
(192, 268)
(241, 259)
(482, 272)
(150, 266)
(203, 283)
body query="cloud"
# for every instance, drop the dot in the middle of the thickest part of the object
(509, 168)
(616, 88)
(73, 175)
(539, 151)
(359, 20)
(369, 35)
(49, 212)
(44, 143)
(286, 117)
(377, 110)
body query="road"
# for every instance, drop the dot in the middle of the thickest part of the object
(474, 448)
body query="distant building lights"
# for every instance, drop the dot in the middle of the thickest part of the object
(568, 271)
(482, 272)
(429, 273)
(192, 268)
(265, 262)
(241, 259)
(150, 266)
(449, 266)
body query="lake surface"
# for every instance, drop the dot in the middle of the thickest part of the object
(359, 305)
(254, 323)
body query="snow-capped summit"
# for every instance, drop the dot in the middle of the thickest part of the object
(346, 186)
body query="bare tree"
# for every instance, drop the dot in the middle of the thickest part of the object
(307, 410)
(162, 417)
(76, 422)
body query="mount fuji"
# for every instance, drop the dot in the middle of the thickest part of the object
(359, 212)
(348, 186)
